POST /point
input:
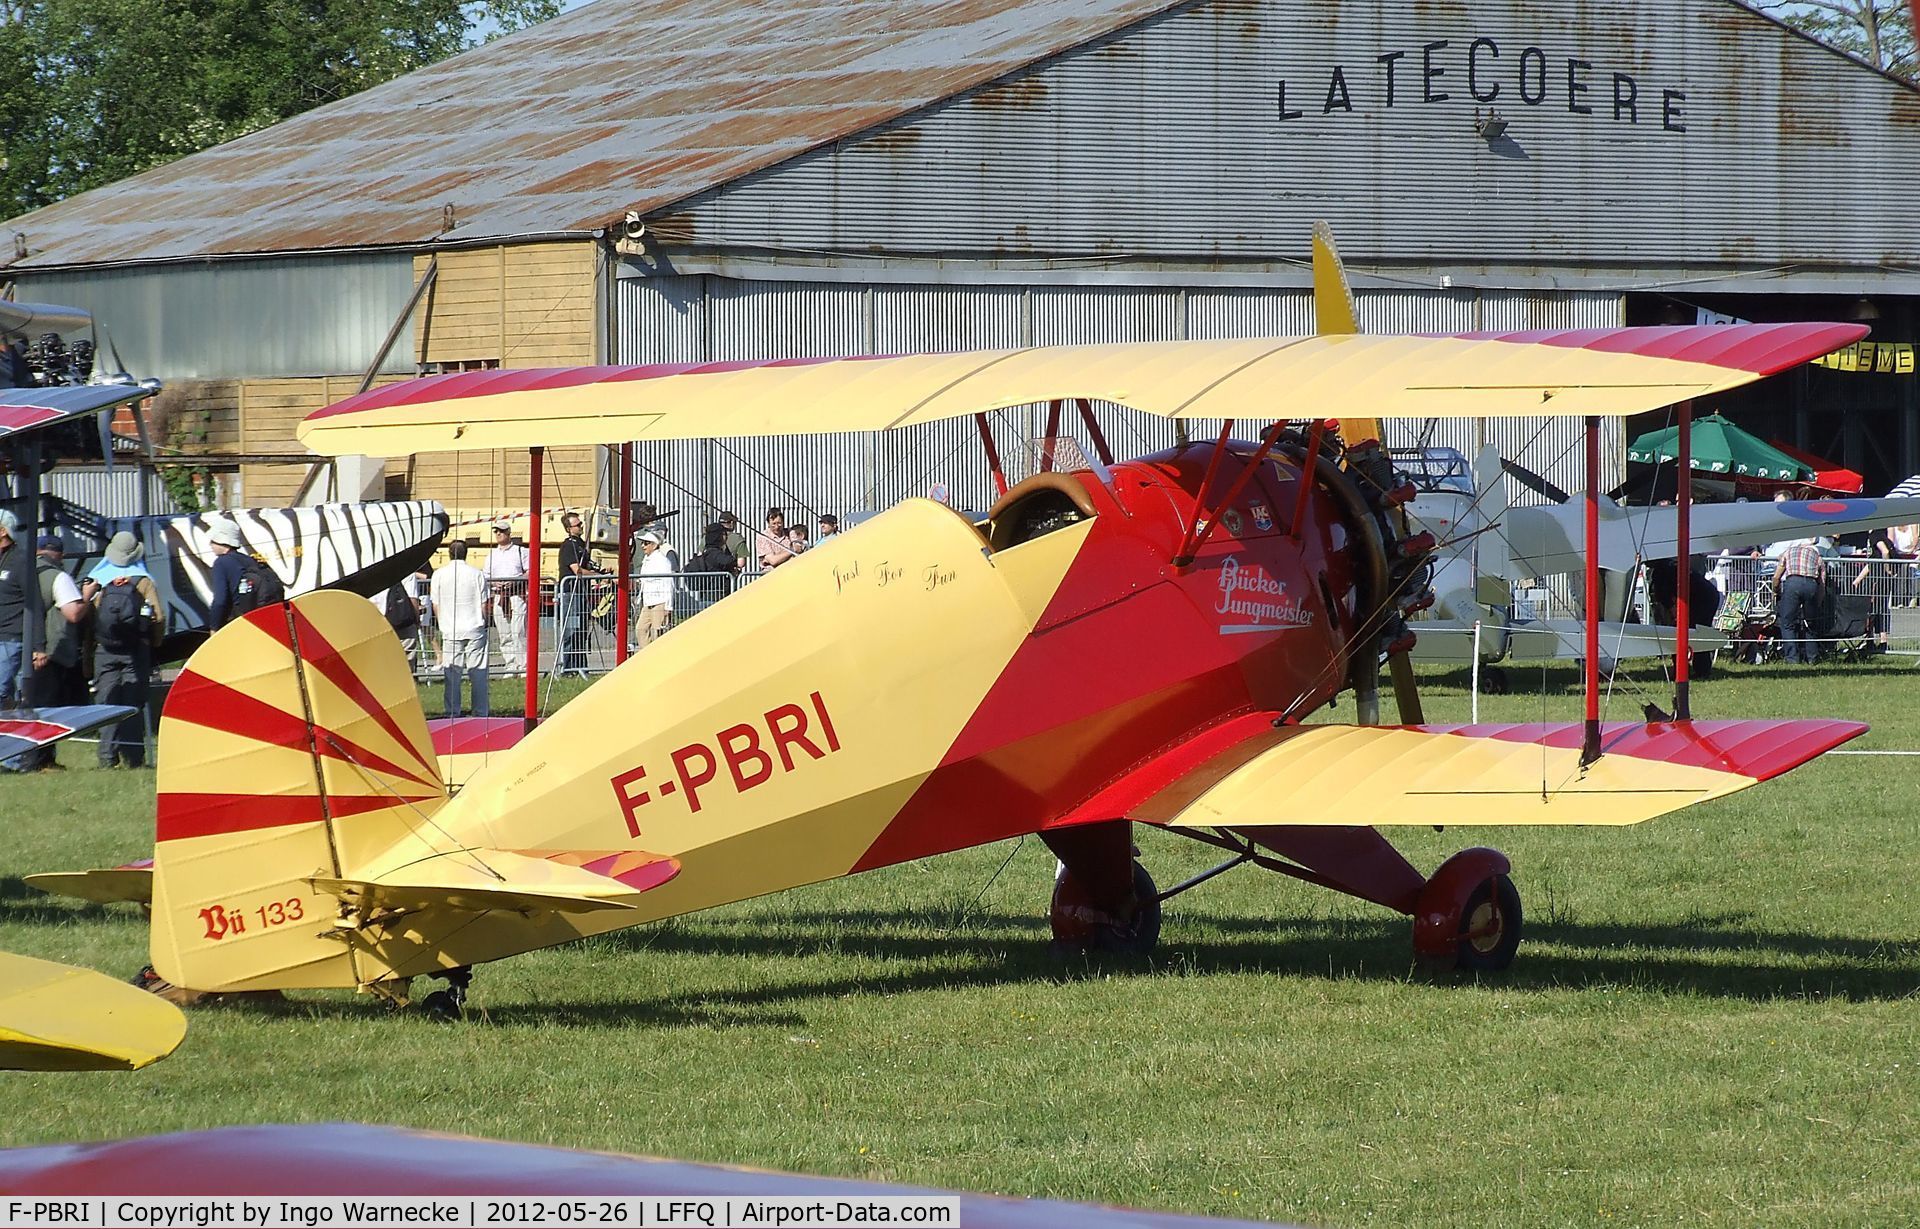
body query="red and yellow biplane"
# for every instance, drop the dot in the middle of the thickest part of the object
(1137, 642)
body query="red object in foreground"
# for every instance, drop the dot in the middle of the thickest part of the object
(1828, 477)
(474, 735)
(344, 1158)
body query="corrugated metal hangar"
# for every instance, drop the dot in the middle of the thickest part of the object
(712, 179)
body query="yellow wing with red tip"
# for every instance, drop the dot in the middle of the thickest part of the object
(1343, 776)
(1557, 372)
(54, 1017)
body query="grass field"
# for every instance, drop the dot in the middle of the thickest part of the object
(1713, 1018)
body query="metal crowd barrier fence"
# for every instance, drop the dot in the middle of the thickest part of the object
(584, 616)
(1867, 603)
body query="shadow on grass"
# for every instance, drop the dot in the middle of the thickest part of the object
(1719, 957)
(23, 903)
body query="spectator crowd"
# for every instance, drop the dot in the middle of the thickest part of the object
(101, 632)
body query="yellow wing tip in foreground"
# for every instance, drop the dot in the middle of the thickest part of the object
(55, 1017)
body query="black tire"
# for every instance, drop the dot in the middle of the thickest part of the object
(1490, 926)
(442, 1005)
(1138, 938)
(1493, 681)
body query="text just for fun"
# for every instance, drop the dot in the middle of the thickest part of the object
(750, 751)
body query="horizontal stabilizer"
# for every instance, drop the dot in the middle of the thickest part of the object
(466, 745)
(54, 1017)
(1449, 640)
(482, 880)
(1350, 776)
(103, 886)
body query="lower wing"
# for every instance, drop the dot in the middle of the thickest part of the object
(25, 729)
(54, 1017)
(1369, 776)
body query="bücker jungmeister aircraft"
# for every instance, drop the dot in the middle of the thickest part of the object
(1136, 642)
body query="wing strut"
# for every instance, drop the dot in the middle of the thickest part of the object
(1190, 542)
(623, 599)
(1304, 491)
(1094, 432)
(1683, 570)
(993, 454)
(1590, 741)
(535, 457)
(1194, 542)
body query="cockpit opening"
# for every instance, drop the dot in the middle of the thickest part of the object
(1036, 507)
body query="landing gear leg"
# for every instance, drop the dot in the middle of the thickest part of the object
(450, 1003)
(1079, 925)
(1103, 900)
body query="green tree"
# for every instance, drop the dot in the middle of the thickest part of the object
(95, 90)
(1877, 31)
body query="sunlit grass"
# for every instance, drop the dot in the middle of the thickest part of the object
(1713, 1018)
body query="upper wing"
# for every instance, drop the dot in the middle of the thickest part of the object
(1546, 541)
(29, 409)
(1556, 372)
(1354, 776)
(54, 1017)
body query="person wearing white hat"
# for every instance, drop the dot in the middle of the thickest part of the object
(656, 588)
(506, 571)
(229, 571)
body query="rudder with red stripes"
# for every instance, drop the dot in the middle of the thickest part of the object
(292, 748)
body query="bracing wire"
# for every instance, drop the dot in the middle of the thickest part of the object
(1352, 639)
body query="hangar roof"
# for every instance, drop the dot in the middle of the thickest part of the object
(621, 104)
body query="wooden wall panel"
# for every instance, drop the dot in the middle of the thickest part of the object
(530, 305)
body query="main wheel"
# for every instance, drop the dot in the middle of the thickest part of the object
(1493, 681)
(1490, 926)
(1079, 925)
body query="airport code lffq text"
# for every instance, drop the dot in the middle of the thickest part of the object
(476, 1212)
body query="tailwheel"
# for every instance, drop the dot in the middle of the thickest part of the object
(150, 981)
(1493, 681)
(1490, 927)
(1081, 925)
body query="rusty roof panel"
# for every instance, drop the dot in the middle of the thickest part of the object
(622, 104)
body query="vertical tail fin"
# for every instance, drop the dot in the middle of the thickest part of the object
(292, 747)
(1333, 307)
